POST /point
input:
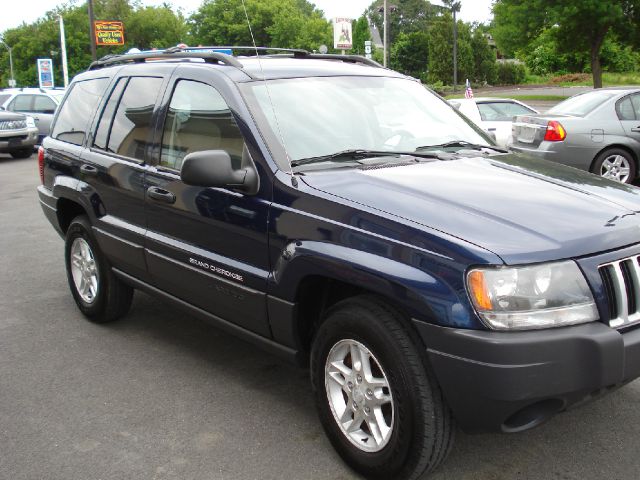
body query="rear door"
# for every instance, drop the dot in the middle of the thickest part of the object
(42, 112)
(628, 110)
(206, 246)
(114, 166)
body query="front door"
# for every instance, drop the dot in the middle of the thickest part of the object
(207, 246)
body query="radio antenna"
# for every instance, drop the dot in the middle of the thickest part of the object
(294, 181)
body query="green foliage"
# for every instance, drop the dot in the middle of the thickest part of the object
(406, 16)
(282, 23)
(564, 36)
(617, 57)
(485, 67)
(510, 73)
(144, 27)
(409, 54)
(361, 34)
(440, 40)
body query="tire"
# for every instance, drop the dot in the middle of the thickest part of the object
(99, 294)
(22, 153)
(420, 425)
(615, 164)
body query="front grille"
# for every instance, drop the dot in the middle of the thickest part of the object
(621, 280)
(13, 124)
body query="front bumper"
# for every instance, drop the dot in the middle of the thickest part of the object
(12, 140)
(513, 381)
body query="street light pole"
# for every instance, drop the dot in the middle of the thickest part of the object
(12, 82)
(455, 46)
(63, 50)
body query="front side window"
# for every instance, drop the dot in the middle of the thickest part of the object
(131, 127)
(22, 103)
(310, 117)
(198, 119)
(78, 109)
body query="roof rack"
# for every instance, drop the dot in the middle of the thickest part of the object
(208, 57)
(343, 58)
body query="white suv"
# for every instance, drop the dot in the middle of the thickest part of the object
(38, 103)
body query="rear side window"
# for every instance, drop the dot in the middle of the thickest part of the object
(22, 103)
(131, 125)
(629, 108)
(77, 110)
(43, 104)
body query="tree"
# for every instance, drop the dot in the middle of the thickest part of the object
(580, 26)
(485, 68)
(441, 48)
(406, 16)
(361, 34)
(144, 27)
(410, 53)
(281, 23)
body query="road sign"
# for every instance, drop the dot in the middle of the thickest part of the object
(342, 37)
(45, 73)
(109, 32)
(367, 46)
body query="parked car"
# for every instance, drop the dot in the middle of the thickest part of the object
(344, 217)
(598, 131)
(493, 115)
(18, 134)
(38, 103)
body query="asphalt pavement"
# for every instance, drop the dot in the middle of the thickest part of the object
(160, 395)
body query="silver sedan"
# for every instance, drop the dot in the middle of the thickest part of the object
(598, 131)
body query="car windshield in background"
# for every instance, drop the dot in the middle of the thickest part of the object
(581, 105)
(322, 115)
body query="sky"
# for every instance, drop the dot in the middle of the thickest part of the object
(30, 10)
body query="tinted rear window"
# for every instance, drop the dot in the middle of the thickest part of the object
(582, 105)
(78, 109)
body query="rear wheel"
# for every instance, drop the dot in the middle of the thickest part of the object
(22, 153)
(378, 401)
(99, 294)
(615, 164)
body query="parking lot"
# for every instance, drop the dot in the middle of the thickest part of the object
(160, 395)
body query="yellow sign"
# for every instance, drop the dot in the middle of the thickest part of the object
(109, 32)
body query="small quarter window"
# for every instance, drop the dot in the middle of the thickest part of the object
(78, 109)
(199, 119)
(131, 126)
(104, 125)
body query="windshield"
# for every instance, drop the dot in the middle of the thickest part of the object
(322, 115)
(581, 105)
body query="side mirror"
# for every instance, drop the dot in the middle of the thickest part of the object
(213, 168)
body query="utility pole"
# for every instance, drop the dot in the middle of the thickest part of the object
(92, 32)
(385, 34)
(455, 7)
(63, 50)
(12, 81)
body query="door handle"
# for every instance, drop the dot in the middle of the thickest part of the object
(636, 129)
(161, 195)
(89, 170)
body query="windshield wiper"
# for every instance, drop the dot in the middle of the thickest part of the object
(461, 144)
(357, 154)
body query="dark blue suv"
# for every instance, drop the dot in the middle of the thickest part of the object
(342, 215)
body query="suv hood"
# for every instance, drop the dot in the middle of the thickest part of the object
(520, 209)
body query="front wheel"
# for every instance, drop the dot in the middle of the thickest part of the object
(615, 164)
(22, 153)
(99, 294)
(378, 401)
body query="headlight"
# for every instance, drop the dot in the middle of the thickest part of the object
(537, 296)
(31, 122)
